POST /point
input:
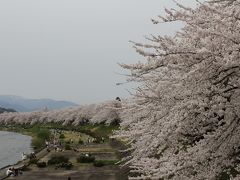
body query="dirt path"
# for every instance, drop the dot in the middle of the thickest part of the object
(103, 173)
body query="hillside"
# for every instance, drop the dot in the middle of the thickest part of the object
(2, 110)
(27, 105)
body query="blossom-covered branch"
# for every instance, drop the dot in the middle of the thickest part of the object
(184, 122)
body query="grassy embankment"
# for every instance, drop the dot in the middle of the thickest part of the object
(41, 132)
(38, 134)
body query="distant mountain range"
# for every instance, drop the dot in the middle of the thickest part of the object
(2, 110)
(21, 104)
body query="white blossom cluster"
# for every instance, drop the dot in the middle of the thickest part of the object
(106, 112)
(184, 120)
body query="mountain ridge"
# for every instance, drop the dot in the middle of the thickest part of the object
(3, 110)
(22, 104)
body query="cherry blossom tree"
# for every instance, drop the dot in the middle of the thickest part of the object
(184, 119)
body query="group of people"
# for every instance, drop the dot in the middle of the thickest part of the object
(31, 156)
(13, 171)
(56, 145)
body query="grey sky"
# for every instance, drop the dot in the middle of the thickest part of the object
(69, 49)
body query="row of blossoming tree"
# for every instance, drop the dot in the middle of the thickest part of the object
(107, 112)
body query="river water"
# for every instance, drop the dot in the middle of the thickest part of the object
(12, 145)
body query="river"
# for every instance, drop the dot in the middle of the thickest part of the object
(12, 145)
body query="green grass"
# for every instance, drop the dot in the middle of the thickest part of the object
(98, 131)
(39, 134)
(40, 131)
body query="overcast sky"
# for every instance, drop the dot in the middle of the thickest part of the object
(69, 49)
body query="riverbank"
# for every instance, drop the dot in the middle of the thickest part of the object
(12, 145)
(79, 170)
(22, 164)
(94, 142)
(37, 133)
